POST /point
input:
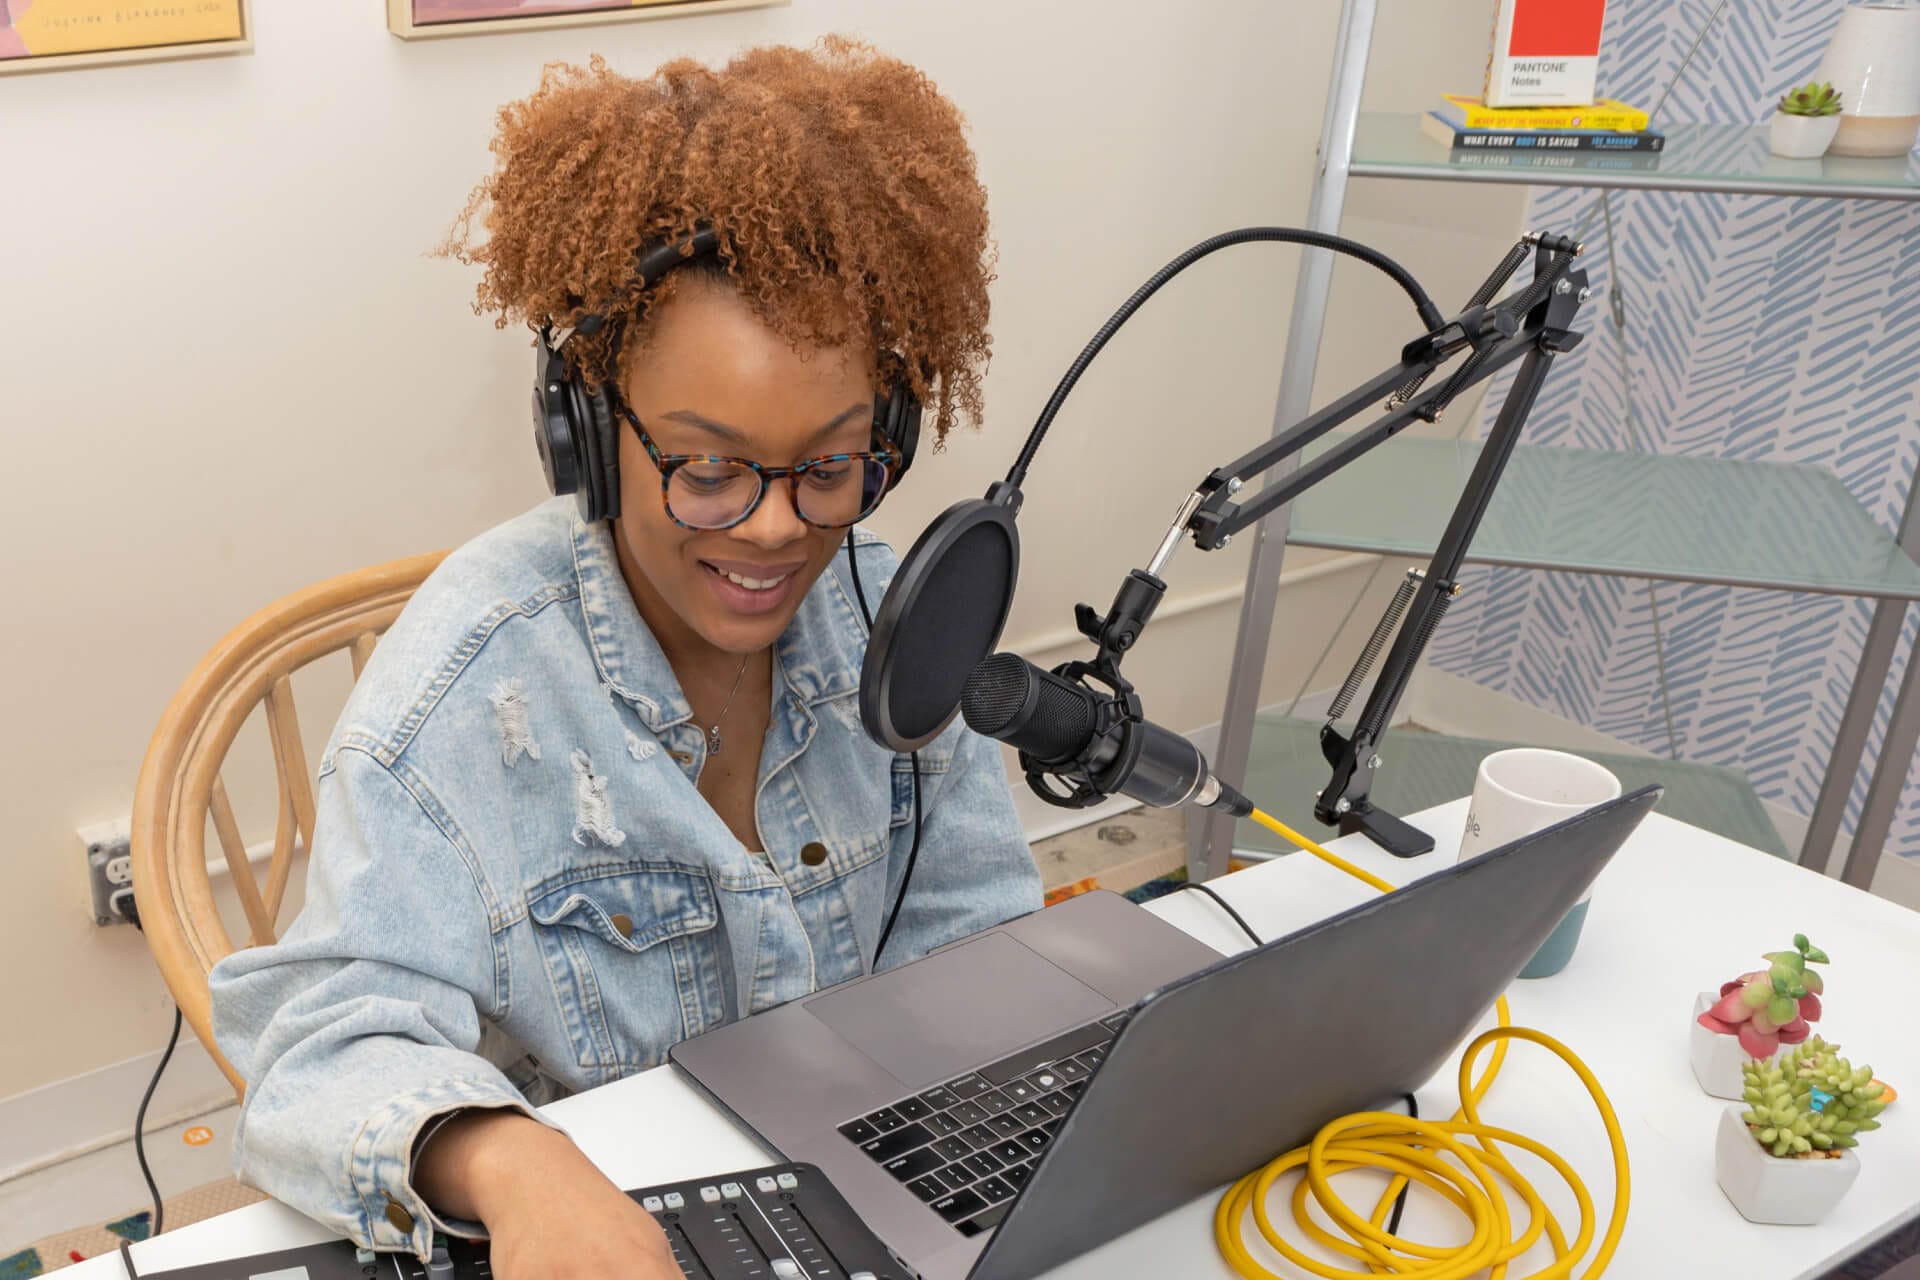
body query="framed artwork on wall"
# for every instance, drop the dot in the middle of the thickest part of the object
(48, 35)
(426, 19)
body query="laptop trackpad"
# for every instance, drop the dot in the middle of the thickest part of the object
(963, 1007)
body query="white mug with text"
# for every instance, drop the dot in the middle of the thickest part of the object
(1519, 792)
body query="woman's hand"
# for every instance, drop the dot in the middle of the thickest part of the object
(552, 1215)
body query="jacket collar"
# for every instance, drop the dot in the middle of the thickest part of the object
(819, 654)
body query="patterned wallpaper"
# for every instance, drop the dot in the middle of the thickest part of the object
(1757, 327)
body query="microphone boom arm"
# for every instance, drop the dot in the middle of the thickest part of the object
(1532, 328)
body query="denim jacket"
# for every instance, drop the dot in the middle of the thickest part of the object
(516, 892)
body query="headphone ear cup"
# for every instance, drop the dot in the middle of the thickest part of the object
(896, 421)
(600, 483)
(554, 436)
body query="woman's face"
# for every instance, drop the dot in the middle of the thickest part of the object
(713, 379)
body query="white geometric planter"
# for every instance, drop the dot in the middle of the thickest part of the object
(1801, 137)
(1717, 1060)
(1765, 1188)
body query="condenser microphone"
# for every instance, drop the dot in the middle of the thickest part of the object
(1083, 736)
(941, 616)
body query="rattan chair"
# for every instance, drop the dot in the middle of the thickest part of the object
(180, 785)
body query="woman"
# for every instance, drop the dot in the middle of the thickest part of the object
(603, 785)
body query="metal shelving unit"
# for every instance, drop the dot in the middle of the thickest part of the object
(1748, 524)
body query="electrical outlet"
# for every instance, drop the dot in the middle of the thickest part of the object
(109, 866)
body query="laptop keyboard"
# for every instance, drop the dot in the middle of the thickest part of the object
(968, 1146)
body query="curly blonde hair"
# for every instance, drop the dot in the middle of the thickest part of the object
(839, 179)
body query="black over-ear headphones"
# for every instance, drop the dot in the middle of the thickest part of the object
(576, 430)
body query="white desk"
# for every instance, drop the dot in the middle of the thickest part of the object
(1678, 911)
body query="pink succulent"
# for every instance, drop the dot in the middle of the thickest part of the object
(1753, 1007)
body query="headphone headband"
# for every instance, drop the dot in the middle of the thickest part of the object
(576, 429)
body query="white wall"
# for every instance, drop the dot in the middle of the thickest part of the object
(230, 368)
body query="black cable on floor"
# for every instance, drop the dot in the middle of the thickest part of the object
(140, 1123)
(1226, 907)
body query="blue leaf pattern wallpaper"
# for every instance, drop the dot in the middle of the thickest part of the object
(1767, 328)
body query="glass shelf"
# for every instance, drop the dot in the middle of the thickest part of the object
(1698, 157)
(1770, 525)
(1425, 769)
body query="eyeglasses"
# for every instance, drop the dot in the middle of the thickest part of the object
(707, 491)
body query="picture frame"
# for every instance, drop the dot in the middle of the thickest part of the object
(435, 19)
(96, 33)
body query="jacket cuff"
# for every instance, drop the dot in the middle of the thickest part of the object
(394, 1217)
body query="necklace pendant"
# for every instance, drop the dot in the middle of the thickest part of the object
(713, 741)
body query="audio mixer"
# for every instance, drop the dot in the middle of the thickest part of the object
(783, 1222)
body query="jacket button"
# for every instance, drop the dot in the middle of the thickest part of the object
(401, 1220)
(813, 853)
(623, 925)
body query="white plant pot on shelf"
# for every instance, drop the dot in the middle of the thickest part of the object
(1874, 61)
(1801, 137)
(1766, 1188)
(1717, 1060)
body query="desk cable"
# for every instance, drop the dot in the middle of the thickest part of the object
(1413, 1106)
(1412, 1150)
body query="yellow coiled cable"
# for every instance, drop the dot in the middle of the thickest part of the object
(1419, 1151)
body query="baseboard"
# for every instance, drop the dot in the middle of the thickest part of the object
(71, 1117)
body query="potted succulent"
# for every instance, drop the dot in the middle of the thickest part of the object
(1784, 1155)
(1805, 123)
(1754, 1015)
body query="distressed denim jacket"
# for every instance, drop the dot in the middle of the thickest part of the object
(516, 892)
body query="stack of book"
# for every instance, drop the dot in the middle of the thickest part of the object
(1550, 136)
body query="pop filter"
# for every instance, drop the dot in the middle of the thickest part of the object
(941, 617)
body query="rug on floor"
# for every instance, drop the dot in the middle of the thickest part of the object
(69, 1247)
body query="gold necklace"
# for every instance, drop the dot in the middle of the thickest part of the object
(713, 734)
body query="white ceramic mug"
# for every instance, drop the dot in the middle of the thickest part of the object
(1519, 792)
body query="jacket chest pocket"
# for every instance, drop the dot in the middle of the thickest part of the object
(635, 956)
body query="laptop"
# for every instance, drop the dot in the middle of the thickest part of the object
(1009, 1102)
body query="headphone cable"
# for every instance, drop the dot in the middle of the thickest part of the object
(913, 852)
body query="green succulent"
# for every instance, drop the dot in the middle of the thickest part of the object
(1810, 1099)
(1814, 98)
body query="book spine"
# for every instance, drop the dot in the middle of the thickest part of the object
(1555, 160)
(1477, 117)
(1537, 141)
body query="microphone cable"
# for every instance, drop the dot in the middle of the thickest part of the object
(1422, 304)
(913, 853)
(1409, 1150)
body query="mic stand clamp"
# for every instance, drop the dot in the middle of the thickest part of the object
(1133, 605)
